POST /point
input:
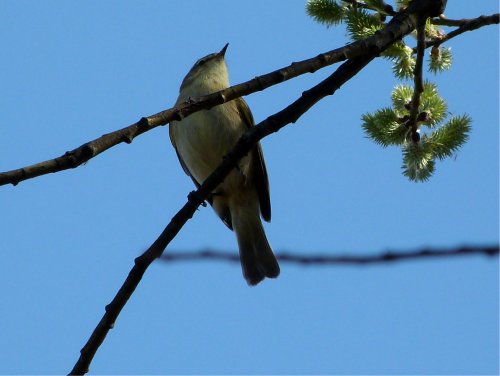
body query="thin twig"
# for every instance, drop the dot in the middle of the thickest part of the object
(418, 80)
(466, 25)
(445, 22)
(389, 256)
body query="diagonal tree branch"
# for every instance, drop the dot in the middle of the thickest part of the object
(249, 139)
(89, 150)
(385, 257)
(401, 25)
(396, 29)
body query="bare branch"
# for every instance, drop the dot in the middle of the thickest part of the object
(385, 257)
(400, 25)
(445, 22)
(465, 25)
(82, 154)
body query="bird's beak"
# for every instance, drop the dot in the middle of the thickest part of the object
(223, 51)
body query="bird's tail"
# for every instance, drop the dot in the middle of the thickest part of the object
(256, 255)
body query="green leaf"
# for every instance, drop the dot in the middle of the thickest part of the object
(433, 104)
(420, 174)
(397, 134)
(384, 127)
(373, 130)
(436, 109)
(401, 96)
(325, 12)
(395, 50)
(451, 136)
(418, 163)
(440, 60)
(360, 24)
(416, 155)
(404, 65)
(433, 32)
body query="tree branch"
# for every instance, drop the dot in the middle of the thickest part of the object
(399, 26)
(445, 22)
(385, 257)
(418, 88)
(196, 198)
(89, 150)
(465, 25)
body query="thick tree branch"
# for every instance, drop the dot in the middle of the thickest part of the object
(385, 257)
(400, 25)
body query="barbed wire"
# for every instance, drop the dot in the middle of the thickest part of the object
(388, 256)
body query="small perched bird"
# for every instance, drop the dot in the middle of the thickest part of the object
(202, 139)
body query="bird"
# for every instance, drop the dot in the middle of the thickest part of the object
(202, 139)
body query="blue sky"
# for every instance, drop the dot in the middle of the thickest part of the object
(72, 71)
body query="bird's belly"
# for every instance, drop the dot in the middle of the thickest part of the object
(203, 138)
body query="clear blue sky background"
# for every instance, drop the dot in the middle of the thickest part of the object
(72, 71)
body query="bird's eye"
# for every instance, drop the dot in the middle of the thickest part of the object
(202, 62)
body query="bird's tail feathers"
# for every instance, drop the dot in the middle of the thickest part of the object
(257, 257)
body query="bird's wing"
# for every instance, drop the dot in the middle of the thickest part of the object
(184, 167)
(261, 178)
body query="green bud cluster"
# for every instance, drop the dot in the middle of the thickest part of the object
(392, 125)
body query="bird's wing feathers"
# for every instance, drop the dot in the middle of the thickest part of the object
(261, 178)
